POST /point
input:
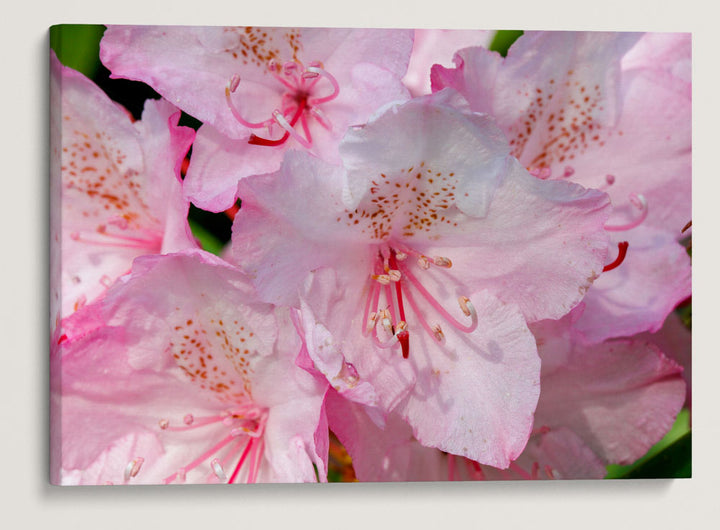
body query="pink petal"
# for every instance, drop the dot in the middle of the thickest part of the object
(113, 174)
(159, 353)
(620, 397)
(388, 454)
(437, 46)
(638, 295)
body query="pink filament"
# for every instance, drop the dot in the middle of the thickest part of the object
(240, 462)
(641, 204)
(333, 82)
(199, 460)
(198, 423)
(436, 305)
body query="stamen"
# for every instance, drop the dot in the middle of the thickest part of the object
(255, 456)
(549, 472)
(622, 252)
(231, 88)
(117, 240)
(465, 305)
(240, 462)
(207, 454)
(641, 204)
(475, 470)
(394, 275)
(188, 419)
(321, 118)
(218, 470)
(333, 82)
(382, 279)
(438, 333)
(164, 424)
(282, 122)
(133, 468)
(441, 261)
(534, 470)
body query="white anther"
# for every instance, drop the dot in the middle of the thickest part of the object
(309, 74)
(188, 419)
(386, 321)
(424, 262)
(233, 83)
(442, 261)
(400, 256)
(438, 333)
(400, 326)
(466, 305)
(372, 320)
(638, 200)
(272, 65)
(289, 67)
(218, 470)
(133, 468)
(164, 424)
(384, 279)
(394, 275)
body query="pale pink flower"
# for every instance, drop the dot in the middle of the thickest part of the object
(179, 374)
(382, 447)
(610, 111)
(438, 46)
(418, 264)
(599, 404)
(116, 186)
(260, 91)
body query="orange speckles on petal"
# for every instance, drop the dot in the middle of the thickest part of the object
(195, 343)
(396, 203)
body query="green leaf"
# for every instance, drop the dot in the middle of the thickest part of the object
(207, 240)
(78, 46)
(503, 39)
(673, 462)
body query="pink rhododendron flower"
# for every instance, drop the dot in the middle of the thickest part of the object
(180, 374)
(382, 453)
(609, 111)
(116, 185)
(438, 46)
(261, 90)
(426, 254)
(675, 340)
(599, 404)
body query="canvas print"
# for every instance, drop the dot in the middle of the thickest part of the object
(342, 254)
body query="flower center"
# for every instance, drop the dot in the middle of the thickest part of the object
(298, 105)
(242, 443)
(393, 277)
